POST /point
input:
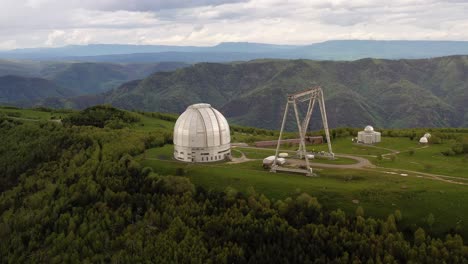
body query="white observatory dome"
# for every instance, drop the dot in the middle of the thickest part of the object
(423, 140)
(201, 134)
(369, 129)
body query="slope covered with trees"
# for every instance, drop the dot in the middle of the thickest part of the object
(76, 194)
(22, 90)
(77, 78)
(385, 93)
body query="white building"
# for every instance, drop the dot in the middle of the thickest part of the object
(368, 136)
(201, 134)
(423, 140)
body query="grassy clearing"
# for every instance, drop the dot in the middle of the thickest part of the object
(378, 193)
(412, 156)
(253, 153)
(35, 114)
(428, 160)
(148, 123)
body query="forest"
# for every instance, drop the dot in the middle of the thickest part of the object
(75, 193)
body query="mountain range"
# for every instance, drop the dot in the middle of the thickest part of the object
(22, 82)
(243, 51)
(384, 93)
(22, 90)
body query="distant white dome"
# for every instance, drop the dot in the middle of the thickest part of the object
(368, 136)
(201, 134)
(427, 135)
(369, 129)
(423, 140)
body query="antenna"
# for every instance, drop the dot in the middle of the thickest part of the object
(311, 95)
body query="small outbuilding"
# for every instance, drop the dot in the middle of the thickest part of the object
(423, 140)
(369, 136)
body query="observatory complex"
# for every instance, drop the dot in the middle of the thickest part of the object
(201, 134)
(368, 136)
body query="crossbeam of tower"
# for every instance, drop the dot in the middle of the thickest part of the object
(311, 96)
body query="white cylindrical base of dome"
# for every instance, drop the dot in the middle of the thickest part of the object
(207, 154)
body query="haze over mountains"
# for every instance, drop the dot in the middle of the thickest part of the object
(241, 51)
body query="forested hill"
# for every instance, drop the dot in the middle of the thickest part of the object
(386, 93)
(75, 193)
(79, 78)
(18, 90)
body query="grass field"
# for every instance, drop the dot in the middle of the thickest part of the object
(35, 114)
(378, 193)
(148, 123)
(429, 160)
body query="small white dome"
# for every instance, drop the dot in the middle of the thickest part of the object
(423, 140)
(369, 129)
(427, 135)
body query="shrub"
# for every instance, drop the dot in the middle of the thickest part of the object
(100, 116)
(448, 152)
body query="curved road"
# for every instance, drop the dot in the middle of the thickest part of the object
(365, 164)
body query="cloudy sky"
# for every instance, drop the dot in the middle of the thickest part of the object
(50, 23)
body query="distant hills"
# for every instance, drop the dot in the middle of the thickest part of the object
(384, 93)
(75, 78)
(19, 90)
(244, 51)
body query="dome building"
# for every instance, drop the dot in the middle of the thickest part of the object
(423, 140)
(201, 134)
(369, 136)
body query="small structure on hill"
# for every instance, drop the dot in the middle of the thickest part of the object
(201, 134)
(425, 138)
(368, 136)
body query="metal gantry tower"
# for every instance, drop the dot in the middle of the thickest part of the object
(310, 95)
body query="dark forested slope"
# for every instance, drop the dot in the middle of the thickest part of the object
(80, 78)
(19, 90)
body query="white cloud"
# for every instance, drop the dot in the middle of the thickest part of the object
(28, 23)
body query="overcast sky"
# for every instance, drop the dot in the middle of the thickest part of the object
(50, 23)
